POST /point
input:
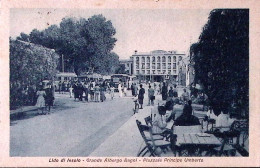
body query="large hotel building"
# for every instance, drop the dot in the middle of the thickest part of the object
(157, 65)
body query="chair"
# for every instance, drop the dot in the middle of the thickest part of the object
(228, 147)
(148, 121)
(152, 142)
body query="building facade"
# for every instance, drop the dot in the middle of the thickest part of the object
(158, 65)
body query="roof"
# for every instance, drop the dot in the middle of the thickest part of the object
(125, 60)
(160, 52)
(66, 74)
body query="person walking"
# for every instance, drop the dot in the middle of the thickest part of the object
(76, 92)
(170, 92)
(102, 93)
(112, 92)
(71, 91)
(151, 96)
(91, 89)
(164, 91)
(40, 100)
(49, 98)
(80, 91)
(120, 90)
(96, 92)
(86, 90)
(141, 96)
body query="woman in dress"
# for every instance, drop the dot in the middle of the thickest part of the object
(40, 100)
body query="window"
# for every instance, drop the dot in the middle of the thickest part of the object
(169, 65)
(137, 72)
(137, 66)
(143, 59)
(174, 59)
(158, 66)
(153, 66)
(137, 61)
(169, 72)
(164, 66)
(164, 72)
(148, 72)
(169, 59)
(163, 59)
(174, 66)
(147, 65)
(153, 59)
(148, 59)
(153, 71)
(143, 65)
(158, 59)
(143, 71)
(174, 71)
(180, 58)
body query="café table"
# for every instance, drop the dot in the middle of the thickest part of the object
(194, 144)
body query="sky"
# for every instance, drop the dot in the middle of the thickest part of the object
(143, 30)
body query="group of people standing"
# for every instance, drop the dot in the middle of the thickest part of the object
(171, 94)
(96, 91)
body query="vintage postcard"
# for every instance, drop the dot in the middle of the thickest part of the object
(129, 83)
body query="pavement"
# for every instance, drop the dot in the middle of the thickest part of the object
(83, 129)
(72, 128)
(127, 141)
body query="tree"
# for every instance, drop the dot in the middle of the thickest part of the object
(121, 69)
(222, 60)
(85, 44)
(23, 37)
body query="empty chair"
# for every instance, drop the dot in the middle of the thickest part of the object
(152, 142)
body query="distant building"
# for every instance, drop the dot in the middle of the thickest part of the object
(128, 65)
(158, 65)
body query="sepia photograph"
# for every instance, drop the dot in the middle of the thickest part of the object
(129, 82)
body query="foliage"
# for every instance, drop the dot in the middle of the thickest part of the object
(221, 60)
(29, 65)
(121, 69)
(86, 45)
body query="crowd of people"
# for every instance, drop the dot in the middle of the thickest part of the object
(96, 91)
